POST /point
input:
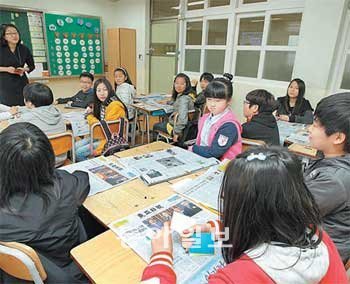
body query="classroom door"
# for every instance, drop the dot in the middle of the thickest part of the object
(163, 54)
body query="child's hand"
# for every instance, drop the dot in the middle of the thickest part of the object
(194, 82)
(162, 240)
(284, 117)
(186, 235)
(11, 70)
(13, 110)
(176, 138)
(88, 110)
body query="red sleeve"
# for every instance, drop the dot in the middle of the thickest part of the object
(160, 269)
(336, 271)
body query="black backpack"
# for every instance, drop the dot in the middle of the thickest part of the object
(115, 141)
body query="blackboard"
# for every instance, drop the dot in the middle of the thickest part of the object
(74, 44)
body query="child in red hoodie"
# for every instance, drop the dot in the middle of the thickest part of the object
(274, 227)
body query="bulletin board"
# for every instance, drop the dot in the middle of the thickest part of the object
(30, 25)
(74, 44)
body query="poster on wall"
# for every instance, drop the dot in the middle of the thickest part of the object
(74, 44)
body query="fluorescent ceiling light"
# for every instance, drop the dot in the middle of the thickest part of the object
(195, 3)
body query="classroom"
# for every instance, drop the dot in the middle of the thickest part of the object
(175, 141)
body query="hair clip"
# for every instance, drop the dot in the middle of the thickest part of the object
(253, 156)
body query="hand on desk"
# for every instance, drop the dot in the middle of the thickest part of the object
(283, 117)
(163, 241)
(186, 239)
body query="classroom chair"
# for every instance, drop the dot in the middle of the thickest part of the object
(96, 131)
(247, 143)
(193, 116)
(63, 143)
(22, 262)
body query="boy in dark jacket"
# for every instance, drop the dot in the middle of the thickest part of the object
(328, 178)
(85, 96)
(261, 124)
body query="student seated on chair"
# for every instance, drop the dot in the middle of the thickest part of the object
(219, 131)
(85, 96)
(38, 204)
(104, 108)
(261, 123)
(124, 89)
(271, 229)
(182, 99)
(40, 111)
(328, 178)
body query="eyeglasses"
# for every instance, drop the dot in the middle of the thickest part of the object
(11, 34)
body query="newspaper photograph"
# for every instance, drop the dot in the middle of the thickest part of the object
(137, 230)
(203, 189)
(167, 164)
(103, 173)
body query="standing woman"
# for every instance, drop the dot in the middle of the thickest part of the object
(13, 57)
(294, 107)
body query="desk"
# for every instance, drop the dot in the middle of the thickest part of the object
(63, 109)
(151, 105)
(103, 259)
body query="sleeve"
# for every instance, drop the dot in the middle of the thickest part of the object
(182, 117)
(327, 190)
(30, 60)
(125, 94)
(64, 100)
(91, 119)
(246, 129)
(81, 104)
(226, 136)
(5, 115)
(115, 110)
(82, 186)
(159, 270)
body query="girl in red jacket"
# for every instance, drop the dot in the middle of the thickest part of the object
(274, 227)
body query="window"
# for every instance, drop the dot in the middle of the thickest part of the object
(253, 1)
(216, 3)
(205, 45)
(266, 45)
(195, 5)
(165, 8)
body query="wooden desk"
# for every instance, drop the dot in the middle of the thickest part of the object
(62, 109)
(104, 260)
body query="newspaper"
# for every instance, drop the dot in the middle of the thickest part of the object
(136, 231)
(79, 124)
(103, 173)
(289, 129)
(204, 189)
(167, 164)
(154, 102)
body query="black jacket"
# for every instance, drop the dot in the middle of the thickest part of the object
(53, 232)
(328, 180)
(80, 99)
(303, 115)
(262, 127)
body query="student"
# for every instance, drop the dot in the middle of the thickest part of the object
(204, 80)
(273, 230)
(219, 131)
(38, 204)
(328, 178)
(182, 99)
(85, 96)
(104, 108)
(294, 107)
(7, 112)
(124, 89)
(39, 110)
(261, 123)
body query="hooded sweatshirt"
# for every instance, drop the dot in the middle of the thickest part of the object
(262, 126)
(48, 118)
(328, 180)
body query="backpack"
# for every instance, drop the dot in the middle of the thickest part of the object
(115, 141)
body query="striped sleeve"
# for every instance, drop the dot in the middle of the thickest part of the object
(159, 270)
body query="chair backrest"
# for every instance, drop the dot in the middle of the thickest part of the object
(63, 143)
(96, 131)
(22, 262)
(247, 143)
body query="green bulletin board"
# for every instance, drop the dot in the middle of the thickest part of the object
(74, 44)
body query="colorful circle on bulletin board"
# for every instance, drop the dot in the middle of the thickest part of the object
(82, 60)
(91, 54)
(73, 41)
(69, 73)
(61, 73)
(52, 27)
(75, 60)
(65, 41)
(67, 60)
(80, 22)
(60, 22)
(57, 41)
(83, 49)
(88, 25)
(65, 47)
(58, 48)
(75, 54)
(90, 42)
(59, 60)
(69, 20)
(59, 54)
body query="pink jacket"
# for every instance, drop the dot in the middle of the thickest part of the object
(236, 148)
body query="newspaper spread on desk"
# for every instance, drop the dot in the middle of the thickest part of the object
(103, 173)
(155, 102)
(137, 230)
(205, 188)
(79, 124)
(167, 164)
(293, 132)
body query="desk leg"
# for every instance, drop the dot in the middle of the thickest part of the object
(147, 126)
(133, 137)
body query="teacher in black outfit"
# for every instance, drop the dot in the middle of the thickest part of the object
(13, 58)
